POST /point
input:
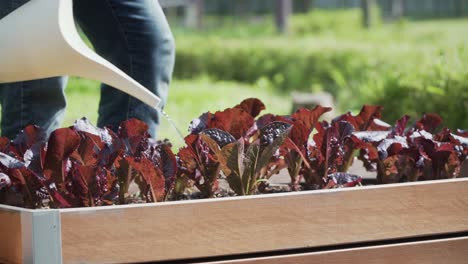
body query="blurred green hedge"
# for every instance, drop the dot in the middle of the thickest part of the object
(404, 79)
(408, 67)
(331, 21)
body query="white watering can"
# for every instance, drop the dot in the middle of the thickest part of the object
(40, 40)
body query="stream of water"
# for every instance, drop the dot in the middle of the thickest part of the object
(172, 123)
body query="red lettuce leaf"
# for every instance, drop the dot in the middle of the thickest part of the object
(253, 106)
(197, 125)
(86, 153)
(27, 184)
(269, 133)
(30, 136)
(4, 145)
(340, 180)
(152, 175)
(62, 143)
(221, 137)
(134, 134)
(85, 184)
(235, 121)
(269, 118)
(304, 121)
(29, 146)
(400, 126)
(100, 136)
(161, 155)
(429, 122)
(368, 119)
(462, 133)
(245, 166)
(199, 163)
(5, 181)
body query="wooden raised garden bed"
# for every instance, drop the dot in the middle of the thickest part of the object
(420, 221)
(423, 222)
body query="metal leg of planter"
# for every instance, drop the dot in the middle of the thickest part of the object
(41, 237)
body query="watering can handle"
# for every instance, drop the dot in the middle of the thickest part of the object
(40, 40)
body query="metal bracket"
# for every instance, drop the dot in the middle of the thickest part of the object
(41, 236)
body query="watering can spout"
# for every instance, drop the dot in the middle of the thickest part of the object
(40, 40)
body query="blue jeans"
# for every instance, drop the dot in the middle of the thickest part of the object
(132, 34)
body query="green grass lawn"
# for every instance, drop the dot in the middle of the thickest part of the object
(187, 100)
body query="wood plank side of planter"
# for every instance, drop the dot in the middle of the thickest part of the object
(449, 251)
(216, 227)
(11, 242)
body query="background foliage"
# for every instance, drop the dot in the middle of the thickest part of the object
(409, 67)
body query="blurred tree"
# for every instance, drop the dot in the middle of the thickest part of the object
(460, 7)
(397, 9)
(194, 16)
(343, 4)
(283, 11)
(308, 5)
(303, 6)
(366, 6)
(242, 7)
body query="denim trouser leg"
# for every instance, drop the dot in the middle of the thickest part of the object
(132, 34)
(135, 36)
(39, 102)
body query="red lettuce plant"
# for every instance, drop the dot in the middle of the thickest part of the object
(198, 163)
(140, 159)
(87, 166)
(294, 149)
(246, 161)
(331, 151)
(413, 154)
(200, 160)
(232, 142)
(83, 166)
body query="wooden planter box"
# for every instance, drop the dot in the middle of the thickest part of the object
(423, 222)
